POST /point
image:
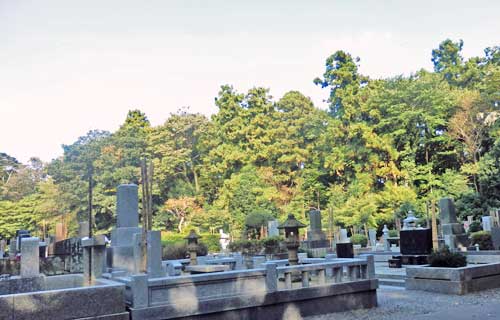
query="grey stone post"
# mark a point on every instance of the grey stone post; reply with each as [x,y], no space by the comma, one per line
[95,250]
[370,263]
[127,206]
[387,245]
[30,263]
[139,286]
[12,248]
[137,252]
[271,277]
[154,254]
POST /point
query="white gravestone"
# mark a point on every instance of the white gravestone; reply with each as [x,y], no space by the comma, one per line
[272,228]
[343,236]
[486,223]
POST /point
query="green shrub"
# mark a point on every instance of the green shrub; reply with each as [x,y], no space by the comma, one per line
[179,251]
[359,239]
[211,241]
[271,245]
[444,258]
[475,226]
[246,246]
[483,239]
[393,233]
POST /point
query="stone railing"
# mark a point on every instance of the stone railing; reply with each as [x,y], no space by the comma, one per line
[338,271]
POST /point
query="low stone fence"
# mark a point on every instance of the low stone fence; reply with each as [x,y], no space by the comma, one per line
[453,280]
[61,297]
[336,285]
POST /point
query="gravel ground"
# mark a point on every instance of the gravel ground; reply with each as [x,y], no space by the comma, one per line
[397,303]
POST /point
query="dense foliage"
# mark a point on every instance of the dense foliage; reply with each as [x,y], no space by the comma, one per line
[382,147]
[444,258]
[483,239]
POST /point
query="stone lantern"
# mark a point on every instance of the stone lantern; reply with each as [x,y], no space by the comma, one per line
[292,241]
[192,246]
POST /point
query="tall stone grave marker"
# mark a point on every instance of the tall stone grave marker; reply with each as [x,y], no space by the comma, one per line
[344,247]
[30,263]
[12,248]
[316,238]
[272,228]
[372,234]
[453,232]
[3,245]
[486,220]
[122,244]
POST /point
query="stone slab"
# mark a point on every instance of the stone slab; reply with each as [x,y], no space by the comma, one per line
[30,261]
[345,250]
[447,212]
[452,228]
[495,237]
[124,236]
[415,242]
[207,268]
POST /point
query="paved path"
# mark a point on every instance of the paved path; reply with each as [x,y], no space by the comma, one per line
[401,304]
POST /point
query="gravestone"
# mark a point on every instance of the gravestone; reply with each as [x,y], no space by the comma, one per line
[272,228]
[30,262]
[83,229]
[12,248]
[453,232]
[316,238]
[343,236]
[415,242]
[372,234]
[486,220]
[345,250]
[122,237]
[495,237]
[387,244]
[3,245]
[154,253]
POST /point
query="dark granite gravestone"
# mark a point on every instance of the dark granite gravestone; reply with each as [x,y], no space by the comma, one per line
[415,242]
[345,250]
[316,238]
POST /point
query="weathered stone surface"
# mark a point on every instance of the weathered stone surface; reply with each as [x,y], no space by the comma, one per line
[447,212]
[452,228]
[272,228]
[30,264]
[127,206]
[207,268]
[123,236]
[495,237]
[6,307]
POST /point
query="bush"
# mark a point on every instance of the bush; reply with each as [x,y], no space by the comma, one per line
[211,241]
[359,239]
[271,245]
[179,251]
[444,258]
[483,239]
[393,233]
[475,226]
[246,246]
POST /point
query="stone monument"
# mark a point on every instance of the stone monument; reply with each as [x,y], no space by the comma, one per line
[3,245]
[122,237]
[272,228]
[486,220]
[316,238]
[453,232]
[372,234]
[30,261]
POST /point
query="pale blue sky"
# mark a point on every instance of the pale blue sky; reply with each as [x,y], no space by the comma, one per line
[70,66]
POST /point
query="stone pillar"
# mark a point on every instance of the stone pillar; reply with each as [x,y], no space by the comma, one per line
[372,233]
[12,248]
[453,232]
[3,244]
[83,229]
[94,249]
[272,228]
[154,254]
[30,263]
[122,237]
[127,206]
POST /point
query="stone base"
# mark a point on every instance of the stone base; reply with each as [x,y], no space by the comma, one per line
[413,260]
[123,236]
[345,250]
[395,263]
[123,258]
[287,304]
[313,244]
[458,241]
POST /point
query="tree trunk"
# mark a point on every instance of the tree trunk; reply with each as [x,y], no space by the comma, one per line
[181,222]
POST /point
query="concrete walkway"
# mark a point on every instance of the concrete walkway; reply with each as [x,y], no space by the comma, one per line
[400,304]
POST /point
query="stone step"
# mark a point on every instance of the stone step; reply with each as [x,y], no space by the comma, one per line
[391,282]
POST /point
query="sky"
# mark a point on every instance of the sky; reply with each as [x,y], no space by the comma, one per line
[67,67]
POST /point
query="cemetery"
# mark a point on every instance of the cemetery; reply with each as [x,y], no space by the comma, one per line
[274,160]
[333,275]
